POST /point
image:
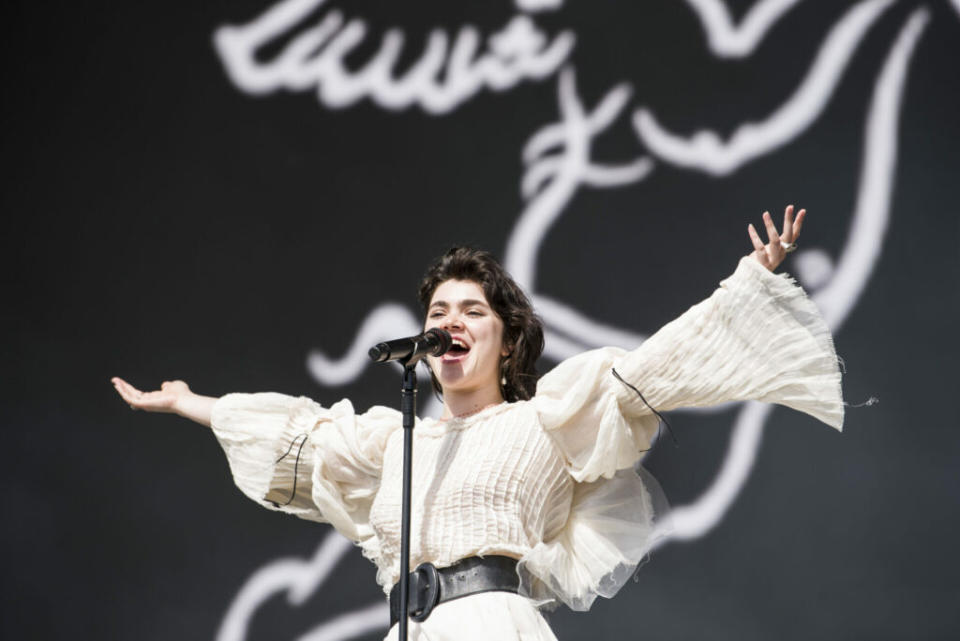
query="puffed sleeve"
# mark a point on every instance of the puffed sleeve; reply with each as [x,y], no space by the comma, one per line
[757,337]
[293,455]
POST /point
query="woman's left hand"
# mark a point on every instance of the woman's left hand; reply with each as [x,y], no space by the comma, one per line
[773,253]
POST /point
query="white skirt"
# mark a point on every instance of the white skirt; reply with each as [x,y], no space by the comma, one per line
[489,615]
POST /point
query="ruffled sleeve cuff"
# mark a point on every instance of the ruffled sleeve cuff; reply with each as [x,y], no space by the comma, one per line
[293,455]
[758,337]
[264,437]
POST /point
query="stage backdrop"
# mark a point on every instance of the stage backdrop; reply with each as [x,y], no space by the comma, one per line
[244,194]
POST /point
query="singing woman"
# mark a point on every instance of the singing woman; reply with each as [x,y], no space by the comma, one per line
[527,492]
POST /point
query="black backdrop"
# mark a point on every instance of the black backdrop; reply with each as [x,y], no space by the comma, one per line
[162,222]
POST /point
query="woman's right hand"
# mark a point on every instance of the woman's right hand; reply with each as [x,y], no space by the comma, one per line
[173,397]
[168,398]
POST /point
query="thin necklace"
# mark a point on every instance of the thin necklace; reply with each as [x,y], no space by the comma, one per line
[470,413]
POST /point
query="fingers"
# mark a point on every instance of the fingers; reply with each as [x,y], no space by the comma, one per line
[131,395]
[162,400]
[798,223]
[772,253]
[755,238]
[135,398]
[787,234]
[126,390]
[772,234]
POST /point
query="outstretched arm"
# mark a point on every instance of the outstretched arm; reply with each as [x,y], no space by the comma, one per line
[173,397]
[779,244]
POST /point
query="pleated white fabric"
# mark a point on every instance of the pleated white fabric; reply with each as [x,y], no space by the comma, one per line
[552,481]
[481,617]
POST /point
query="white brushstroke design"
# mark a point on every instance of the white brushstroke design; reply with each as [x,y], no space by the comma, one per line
[835,300]
[705,151]
[727,40]
[871,215]
[558,163]
[558,157]
[572,323]
[300,579]
[534,6]
[813,267]
[350,625]
[696,519]
[385,322]
[449,71]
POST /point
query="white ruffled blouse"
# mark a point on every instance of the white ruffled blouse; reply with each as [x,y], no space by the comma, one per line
[551,480]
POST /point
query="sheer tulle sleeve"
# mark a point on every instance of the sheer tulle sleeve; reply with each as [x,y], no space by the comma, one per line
[293,455]
[757,337]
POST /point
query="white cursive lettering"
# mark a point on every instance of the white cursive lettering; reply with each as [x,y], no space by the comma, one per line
[442,78]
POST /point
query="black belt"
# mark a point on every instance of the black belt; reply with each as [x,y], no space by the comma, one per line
[430,586]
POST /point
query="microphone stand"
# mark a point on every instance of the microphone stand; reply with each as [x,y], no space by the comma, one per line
[438,342]
[408,409]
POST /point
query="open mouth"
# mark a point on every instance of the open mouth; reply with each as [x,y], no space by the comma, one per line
[457,348]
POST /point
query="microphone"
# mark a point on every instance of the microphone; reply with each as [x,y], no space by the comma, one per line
[433,342]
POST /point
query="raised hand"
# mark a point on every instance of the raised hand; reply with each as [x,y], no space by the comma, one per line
[166,399]
[779,244]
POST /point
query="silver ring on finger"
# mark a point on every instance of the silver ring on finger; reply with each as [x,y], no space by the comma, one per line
[788,247]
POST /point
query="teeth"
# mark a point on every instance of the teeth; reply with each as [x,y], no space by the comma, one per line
[459,343]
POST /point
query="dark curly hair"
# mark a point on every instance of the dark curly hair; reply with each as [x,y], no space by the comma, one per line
[522,328]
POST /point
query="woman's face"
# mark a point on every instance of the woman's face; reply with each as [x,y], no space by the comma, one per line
[473,363]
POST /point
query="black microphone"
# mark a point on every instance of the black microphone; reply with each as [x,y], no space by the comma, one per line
[433,342]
